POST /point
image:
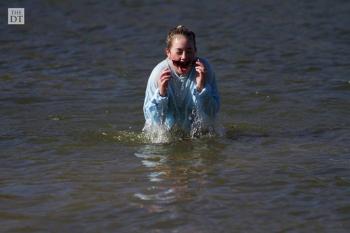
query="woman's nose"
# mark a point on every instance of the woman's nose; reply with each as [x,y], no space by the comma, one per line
[183,55]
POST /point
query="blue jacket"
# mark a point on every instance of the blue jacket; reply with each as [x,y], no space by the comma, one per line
[183,106]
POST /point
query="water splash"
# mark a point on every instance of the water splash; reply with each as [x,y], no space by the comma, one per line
[157,133]
[204,126]
[161,134]
[125,137]
[153,135]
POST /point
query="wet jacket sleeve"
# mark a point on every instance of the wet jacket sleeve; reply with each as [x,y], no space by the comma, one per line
[208,100]
[155,107]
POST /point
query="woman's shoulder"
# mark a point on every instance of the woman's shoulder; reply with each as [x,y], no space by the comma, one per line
[205,62]
[161,66]
[208,66]
[155,74]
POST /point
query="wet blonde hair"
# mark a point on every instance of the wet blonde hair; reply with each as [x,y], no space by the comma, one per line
[180,30]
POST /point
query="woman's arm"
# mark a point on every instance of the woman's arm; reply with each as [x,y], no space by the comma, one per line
[207,100]
[155,106]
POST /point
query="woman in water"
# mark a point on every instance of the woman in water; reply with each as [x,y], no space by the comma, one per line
[181,93]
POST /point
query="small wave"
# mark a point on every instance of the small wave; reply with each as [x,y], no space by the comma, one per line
[124,137]
[235,131]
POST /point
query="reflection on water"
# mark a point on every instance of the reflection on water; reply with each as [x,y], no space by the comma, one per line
[176,172]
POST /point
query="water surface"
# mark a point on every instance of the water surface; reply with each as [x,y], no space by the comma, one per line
[72,82]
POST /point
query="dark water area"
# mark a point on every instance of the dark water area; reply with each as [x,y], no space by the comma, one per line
[72,83]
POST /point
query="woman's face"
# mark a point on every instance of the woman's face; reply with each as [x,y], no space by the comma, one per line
[182,53]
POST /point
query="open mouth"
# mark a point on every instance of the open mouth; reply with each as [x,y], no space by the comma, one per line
[182,65]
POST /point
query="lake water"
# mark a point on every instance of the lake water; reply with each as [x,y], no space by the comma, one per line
[72,83]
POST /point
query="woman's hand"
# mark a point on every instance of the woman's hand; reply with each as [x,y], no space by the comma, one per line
[163,81]
[200,77]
